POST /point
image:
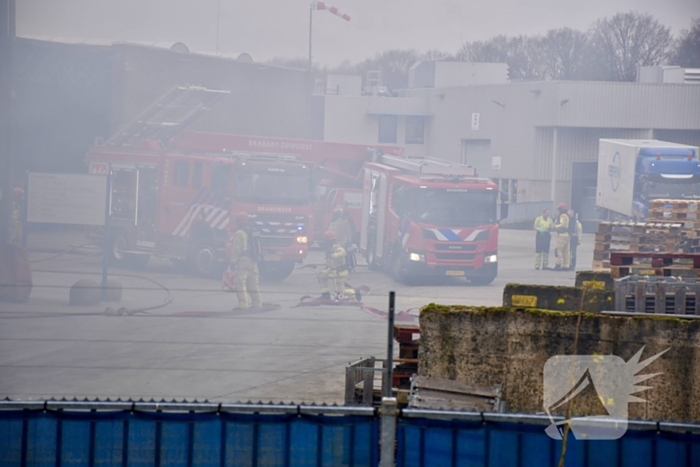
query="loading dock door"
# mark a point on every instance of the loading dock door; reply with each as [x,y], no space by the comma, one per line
[583,194]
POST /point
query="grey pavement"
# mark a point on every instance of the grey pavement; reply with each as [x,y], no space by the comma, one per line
[196,347]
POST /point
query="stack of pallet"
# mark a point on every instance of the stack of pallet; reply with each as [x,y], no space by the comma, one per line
[654,264]
[634,237]
[684,212]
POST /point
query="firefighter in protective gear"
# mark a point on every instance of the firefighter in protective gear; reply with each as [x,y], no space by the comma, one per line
[575,233]
[563,251]
[16,225]
[336,270]
[340,226]
[543,238]
[245,265]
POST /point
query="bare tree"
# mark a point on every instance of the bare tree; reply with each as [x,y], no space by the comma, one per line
[565,52]
[436,55]
[394,65]
[527,58]
[627,41]
[687,49]
[494,50]
[523,54]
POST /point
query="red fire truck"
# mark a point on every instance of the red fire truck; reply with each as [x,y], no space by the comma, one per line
[426,217]
[337,167]
[177,204]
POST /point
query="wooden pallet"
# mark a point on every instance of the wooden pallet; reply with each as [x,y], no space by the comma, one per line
[674,204]
[618,272]
[641,227]
[636,237]
[673,216]
[636,248]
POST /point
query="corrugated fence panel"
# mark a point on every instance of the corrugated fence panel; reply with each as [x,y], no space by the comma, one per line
[168,439]
[427,443]
[156,439]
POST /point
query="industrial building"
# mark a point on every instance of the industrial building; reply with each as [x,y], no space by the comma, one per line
[517,133]
[70,93]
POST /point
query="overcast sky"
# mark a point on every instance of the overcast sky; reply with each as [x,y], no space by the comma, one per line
[279,28]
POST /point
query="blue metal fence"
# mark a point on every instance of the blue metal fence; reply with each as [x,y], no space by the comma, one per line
[429,442]
[61,438]
[171,434]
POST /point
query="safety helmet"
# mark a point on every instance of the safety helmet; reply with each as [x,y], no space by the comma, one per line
[329,236]
[243,218]
[18,193]
[561,207]
[338,210]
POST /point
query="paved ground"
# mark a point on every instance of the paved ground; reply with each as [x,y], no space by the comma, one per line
[195,347]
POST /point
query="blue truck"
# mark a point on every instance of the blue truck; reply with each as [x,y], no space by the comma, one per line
[632,172]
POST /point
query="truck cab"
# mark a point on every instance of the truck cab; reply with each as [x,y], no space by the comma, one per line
[424,217]
[665,173]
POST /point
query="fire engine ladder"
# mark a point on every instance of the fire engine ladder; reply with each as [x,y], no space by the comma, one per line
[172,112]
[429,166]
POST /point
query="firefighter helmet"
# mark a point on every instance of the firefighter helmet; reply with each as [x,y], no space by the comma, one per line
[243,218]
[329,236]
[561,207]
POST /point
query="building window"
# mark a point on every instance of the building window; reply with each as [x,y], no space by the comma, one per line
[414,130]
[387,128]
[197,175]
[181,174]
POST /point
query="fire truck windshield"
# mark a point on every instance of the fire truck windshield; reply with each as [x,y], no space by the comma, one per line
[448,208]
[270,187]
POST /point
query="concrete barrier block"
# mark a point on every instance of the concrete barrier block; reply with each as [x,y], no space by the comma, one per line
[595,280]
[506,346]
[559,298]
[85,292]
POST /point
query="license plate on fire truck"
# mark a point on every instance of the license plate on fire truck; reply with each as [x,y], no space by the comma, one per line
[455,273]
[272,257]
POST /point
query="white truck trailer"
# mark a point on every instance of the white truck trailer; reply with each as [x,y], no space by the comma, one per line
[631,172]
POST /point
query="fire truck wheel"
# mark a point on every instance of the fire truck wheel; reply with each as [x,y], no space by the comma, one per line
[118,244]
[482,280]
[398,269]
[118,257]
[277,271]
[203,258]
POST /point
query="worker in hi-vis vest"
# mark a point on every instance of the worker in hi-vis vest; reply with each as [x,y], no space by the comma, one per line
[543,239]
[563,250]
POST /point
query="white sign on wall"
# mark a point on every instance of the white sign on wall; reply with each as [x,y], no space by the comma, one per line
[66,199]
[496,162]
[475,121]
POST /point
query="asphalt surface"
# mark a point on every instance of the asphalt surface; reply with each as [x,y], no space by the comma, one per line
[194,346]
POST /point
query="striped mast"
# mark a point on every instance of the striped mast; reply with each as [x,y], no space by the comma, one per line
[322,6]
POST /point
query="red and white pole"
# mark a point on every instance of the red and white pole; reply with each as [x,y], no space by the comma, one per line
[329,8]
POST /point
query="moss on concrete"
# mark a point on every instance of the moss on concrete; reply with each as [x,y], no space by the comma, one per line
[509,346]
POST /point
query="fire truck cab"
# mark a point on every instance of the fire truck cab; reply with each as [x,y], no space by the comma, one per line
[181,206]
[425,217]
